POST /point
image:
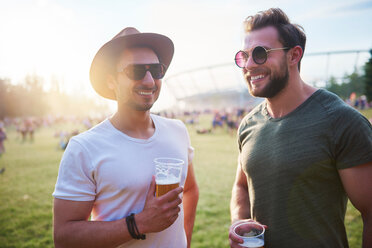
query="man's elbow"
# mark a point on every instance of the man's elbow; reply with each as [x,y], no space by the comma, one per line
[193,192]
[59,238]
[196,192]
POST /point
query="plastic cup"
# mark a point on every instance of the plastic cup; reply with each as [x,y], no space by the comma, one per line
[168,174]
[251,233]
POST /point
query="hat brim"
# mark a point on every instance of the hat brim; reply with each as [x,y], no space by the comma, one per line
[109,52]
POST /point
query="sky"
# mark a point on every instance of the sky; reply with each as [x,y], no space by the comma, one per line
[57,39]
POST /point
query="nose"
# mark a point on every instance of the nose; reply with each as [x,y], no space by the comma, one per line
[249,63]
[148,79]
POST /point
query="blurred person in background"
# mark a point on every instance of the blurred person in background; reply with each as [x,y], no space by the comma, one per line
[303,152]
[104,195]
[2,139]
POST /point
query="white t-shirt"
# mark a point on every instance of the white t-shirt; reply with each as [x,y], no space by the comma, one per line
[114,170]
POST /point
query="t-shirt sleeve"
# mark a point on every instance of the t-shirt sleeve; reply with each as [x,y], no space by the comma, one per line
[190,154]
[353,140]
[75,180]
[190,149]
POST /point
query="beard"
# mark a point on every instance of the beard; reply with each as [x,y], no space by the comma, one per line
[129,99]
[144,106]
[278,81]
[140,107]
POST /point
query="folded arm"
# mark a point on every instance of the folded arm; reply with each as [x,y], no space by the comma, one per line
[73,229]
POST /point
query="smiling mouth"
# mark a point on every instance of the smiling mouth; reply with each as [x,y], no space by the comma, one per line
[257,77]
[253,79]
[145,93]
[142,91]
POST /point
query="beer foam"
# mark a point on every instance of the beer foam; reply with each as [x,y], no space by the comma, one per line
[167,181]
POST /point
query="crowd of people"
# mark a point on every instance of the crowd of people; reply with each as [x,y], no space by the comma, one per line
[216,119]
[65,126]
[219,119]
[358,102]
[228,119]
[69,126]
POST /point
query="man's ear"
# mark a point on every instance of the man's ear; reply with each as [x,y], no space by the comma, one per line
[111,82]
[295,55]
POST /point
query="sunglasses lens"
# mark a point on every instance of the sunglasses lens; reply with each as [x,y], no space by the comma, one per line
[138,72]
[259,55]
[135,72]
[157,71]
[240,59]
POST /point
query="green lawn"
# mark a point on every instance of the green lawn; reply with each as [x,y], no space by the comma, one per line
[367,113]
[31,170]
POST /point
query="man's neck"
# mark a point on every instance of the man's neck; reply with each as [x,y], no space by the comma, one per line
[293,95]
[136,124]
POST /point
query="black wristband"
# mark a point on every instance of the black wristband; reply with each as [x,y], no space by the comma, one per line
[132,228]
[139,235]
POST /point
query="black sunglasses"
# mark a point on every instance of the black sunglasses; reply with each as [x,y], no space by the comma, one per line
[138,71]
[259,55]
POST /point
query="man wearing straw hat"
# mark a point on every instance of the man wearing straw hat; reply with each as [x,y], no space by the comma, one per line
[104,195]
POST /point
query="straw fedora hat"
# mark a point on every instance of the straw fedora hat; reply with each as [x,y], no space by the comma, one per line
[107,55]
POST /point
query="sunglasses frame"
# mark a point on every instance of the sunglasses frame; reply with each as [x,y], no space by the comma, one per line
[254,58]
[146,67]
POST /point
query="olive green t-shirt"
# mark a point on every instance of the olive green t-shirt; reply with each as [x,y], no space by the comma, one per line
[292,164]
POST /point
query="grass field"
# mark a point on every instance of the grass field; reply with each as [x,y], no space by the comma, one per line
[31,170]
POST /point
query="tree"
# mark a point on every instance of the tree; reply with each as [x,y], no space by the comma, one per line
[35,96]
[333,86]
[368,78]
[350,83]
[354,83]
[3,90]
[30,99]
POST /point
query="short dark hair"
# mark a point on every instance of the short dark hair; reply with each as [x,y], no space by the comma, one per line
[290,35]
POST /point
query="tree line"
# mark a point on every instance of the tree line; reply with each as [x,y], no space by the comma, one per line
[358,82]
[29,98]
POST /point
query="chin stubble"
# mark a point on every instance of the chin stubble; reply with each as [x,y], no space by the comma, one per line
[274,86]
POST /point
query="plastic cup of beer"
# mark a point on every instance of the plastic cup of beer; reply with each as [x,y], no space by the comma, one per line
[168,174]
[251,233]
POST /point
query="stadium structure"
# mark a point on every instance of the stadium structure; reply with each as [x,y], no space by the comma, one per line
[222,86]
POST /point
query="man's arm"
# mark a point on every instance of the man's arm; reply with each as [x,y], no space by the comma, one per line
[190,200]
[239,205]
[358,186]
[72,228]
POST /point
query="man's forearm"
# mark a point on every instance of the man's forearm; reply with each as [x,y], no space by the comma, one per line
[190,201]
[91,234]
[239,205]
